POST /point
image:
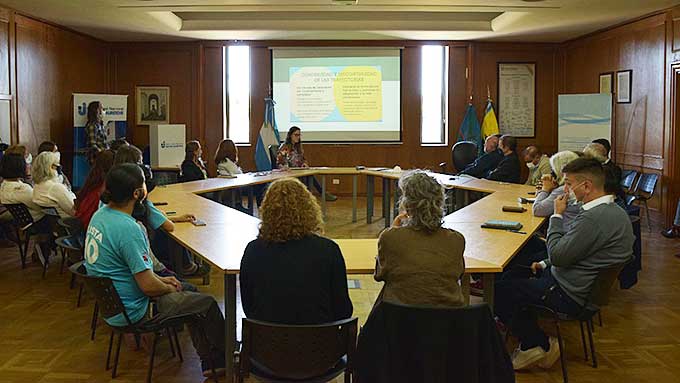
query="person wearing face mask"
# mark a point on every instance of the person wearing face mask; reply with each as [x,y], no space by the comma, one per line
[117,248]
[49,191]
[538,164]
[488,161]
[94,129]
[552,186]
[28,158]
[193,168]
[508,169]
[601,236]
[49,146]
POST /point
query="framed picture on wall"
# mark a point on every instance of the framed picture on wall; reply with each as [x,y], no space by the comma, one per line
[152,105]
[606,81]
[624,86]
[517,98]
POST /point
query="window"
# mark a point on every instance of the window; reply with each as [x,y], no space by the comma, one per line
[237,98]
[434,94]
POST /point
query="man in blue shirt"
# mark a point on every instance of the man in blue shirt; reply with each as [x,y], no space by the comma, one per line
[116,248]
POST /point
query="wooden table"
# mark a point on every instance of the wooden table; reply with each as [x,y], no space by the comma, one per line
[223,240]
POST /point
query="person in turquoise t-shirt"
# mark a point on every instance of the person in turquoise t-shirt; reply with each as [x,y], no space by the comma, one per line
[117,248]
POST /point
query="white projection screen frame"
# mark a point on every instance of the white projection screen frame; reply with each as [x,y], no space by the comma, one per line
[338,94]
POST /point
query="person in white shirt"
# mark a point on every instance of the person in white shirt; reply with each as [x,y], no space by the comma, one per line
[49,146]
[226,159]
[13,190]
[48,191]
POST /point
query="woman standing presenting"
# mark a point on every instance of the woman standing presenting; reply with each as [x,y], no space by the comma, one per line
[94,129]
[291,155]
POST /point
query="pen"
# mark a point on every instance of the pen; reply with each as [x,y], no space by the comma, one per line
[517,231]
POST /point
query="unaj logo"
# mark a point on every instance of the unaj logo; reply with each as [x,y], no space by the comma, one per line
[82,109]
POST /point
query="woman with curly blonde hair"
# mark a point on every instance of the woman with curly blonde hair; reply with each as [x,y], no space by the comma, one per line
[420,261]
[291,274]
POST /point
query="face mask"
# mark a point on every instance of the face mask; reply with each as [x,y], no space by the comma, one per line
[29,159]
[572,197]
[58,156]
[60,170]
[531,165]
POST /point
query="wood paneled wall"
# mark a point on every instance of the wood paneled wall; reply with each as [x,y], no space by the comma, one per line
[640,132]
[177,65]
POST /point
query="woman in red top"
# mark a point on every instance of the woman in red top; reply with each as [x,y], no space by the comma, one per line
[87,200]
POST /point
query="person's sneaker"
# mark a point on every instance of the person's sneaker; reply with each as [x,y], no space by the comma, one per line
[670,233]
[331,197]
[552,355]
[219,368]
[523,359]
[477,288]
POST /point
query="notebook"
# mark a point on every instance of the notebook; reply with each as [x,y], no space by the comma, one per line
[500,224]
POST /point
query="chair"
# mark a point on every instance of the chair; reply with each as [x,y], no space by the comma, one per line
[644,191]
[71,248]
[297,353]
[78,271]
[273,151]
[23,223]
[628,180]
[598,297]
[404,343]
[110,305]
[463,154]
[166,177]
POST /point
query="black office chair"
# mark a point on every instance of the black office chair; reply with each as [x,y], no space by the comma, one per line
[463,154]
[628,180]
[644,191]
[273,151]
[405,344]
[25,229]
[598,298]
[304,353]
[110,305]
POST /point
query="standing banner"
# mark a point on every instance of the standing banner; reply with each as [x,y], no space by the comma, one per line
[115,122]
[167,143]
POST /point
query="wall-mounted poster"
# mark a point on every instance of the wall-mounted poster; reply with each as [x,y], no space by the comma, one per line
[606,82]
[624,86]
[152,105]
[517,99]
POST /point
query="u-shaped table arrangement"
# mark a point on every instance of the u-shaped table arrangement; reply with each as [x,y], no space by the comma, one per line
[228,231]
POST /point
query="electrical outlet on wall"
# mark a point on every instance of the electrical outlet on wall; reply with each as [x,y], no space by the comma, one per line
[336,181]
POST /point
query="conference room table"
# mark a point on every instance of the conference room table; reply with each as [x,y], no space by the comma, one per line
[222,241]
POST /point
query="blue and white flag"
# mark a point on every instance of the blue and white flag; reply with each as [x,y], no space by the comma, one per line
[269,135]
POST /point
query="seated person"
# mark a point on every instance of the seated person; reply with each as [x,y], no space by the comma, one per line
[48,190]
[508,169]
[290,274]
[613,172]
[538,164]
[87,199]
[553,187]
[193,168]
[226,159]
[116,248]
[291,155]
[14,191]
[420,262]
[487,161]
[601,236]
[49,146]
[155,220]
[22,150]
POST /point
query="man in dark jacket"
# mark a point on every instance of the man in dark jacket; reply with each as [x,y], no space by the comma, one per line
[487,161]
[508,169]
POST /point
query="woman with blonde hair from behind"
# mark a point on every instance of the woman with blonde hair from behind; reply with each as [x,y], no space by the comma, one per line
[291,274]
[552,186]
[420,261]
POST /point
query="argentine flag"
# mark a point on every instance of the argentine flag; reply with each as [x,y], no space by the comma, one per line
[269,135]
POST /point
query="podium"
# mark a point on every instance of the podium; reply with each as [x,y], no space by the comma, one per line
[167,143]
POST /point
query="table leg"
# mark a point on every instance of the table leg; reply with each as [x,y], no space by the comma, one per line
[354,198]
[384,190]
[251,208]
[387,204]
[465,287]
[397,195]
[370,190]
[229,324]
[323,195]
[489,279]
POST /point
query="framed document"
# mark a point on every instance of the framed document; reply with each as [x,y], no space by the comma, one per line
[624,86]
[606,82]
[517,99]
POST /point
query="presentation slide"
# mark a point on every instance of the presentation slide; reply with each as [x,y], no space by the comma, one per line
[338,95]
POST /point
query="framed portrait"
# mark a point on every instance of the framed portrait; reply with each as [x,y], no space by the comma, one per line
[606,82]
[152,105]
[624,86]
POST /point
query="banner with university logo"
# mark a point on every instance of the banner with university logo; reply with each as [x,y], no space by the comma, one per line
[115,123]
